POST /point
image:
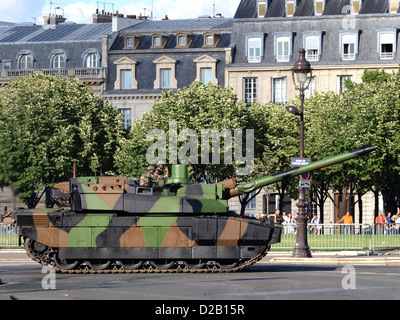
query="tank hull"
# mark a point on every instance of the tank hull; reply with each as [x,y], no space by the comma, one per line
[76,242]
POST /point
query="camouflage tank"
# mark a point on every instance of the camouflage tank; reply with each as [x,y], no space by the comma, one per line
[112,224]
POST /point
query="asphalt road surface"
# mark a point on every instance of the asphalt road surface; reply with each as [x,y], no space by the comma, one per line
[27,280]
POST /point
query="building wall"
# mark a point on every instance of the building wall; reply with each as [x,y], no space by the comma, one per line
[330,64]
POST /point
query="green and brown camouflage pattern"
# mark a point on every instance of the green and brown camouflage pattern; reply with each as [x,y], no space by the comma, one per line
[113,222]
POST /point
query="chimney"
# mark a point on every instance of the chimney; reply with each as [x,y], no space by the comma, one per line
[103,17]
[53,19]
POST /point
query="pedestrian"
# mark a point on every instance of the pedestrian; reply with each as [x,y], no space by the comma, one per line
[397,223]
[278,218]
[348,221]
[388,225]
[315,225]
[380,221]
[290,223]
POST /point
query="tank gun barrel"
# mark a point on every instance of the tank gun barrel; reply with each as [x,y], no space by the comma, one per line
[277,177]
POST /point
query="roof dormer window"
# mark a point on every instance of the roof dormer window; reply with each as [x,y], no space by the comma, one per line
[290,7]
[262,8]
[319,6]
[211,39]
[156,42]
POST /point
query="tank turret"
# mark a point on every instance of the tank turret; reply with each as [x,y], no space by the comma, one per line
[113,224]
[178,196]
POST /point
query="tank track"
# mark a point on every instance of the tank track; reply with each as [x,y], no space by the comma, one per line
[45,259]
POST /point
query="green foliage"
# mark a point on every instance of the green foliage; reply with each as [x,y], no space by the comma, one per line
[198,107]
[368,112]
[47,123]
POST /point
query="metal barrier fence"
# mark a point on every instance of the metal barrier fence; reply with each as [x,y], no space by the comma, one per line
[343,237]
[320,237]
[8,235]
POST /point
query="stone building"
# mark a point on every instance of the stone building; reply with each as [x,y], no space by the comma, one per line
[153,56]
[342,38]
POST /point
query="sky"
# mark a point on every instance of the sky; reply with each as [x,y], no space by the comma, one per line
[81,11]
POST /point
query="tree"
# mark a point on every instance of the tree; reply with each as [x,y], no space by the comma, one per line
[277,140]
[46,124]
[368,112]
[378,117]
[183,116]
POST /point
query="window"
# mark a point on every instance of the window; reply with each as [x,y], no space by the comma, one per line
[166,78]
[126,118]
[356,4]
[341,81]
[250,86]
[262,8]
[205,75]
[181,41]
[394,6]
[311,88]
[58,61]
[126,79]
[129,42]
[312,48]
[348,45]
[282,44]
[25,59]
[254,46]
[387,43]
[91,58]
[209,40]
[251,205]
[156,41]
[6,65]
[165,73]
[279,90]
[91,61]
[290,7]
[319,7]
[254,49]
[348,51]
[206,69]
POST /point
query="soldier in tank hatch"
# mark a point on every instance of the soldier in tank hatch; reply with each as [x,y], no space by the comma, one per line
[147,178]
[162,172]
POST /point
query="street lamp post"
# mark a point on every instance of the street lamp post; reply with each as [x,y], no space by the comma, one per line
[302,72]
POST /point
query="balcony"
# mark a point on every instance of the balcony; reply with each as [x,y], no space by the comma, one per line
[90,76]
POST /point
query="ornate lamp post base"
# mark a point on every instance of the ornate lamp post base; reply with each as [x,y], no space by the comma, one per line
[301,249]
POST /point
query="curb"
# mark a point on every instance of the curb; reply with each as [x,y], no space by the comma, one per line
[339,260]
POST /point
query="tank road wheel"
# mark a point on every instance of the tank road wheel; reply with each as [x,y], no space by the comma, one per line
[66,264]
[195,264]
[130,264]
[37,250]
[163,264]
[227,264]
[98,264]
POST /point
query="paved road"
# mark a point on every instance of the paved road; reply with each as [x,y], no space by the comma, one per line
[263,281]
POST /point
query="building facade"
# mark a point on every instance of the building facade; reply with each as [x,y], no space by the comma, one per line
[342,38]
[153,56]
[66,49]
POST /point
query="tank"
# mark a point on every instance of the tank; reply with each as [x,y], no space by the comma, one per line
[112,224]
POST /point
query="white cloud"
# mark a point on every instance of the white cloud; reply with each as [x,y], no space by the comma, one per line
[17,10]
[81,11]
[182,9]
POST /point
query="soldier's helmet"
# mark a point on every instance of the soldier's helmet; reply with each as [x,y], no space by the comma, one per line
[160,164]
[151,169]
